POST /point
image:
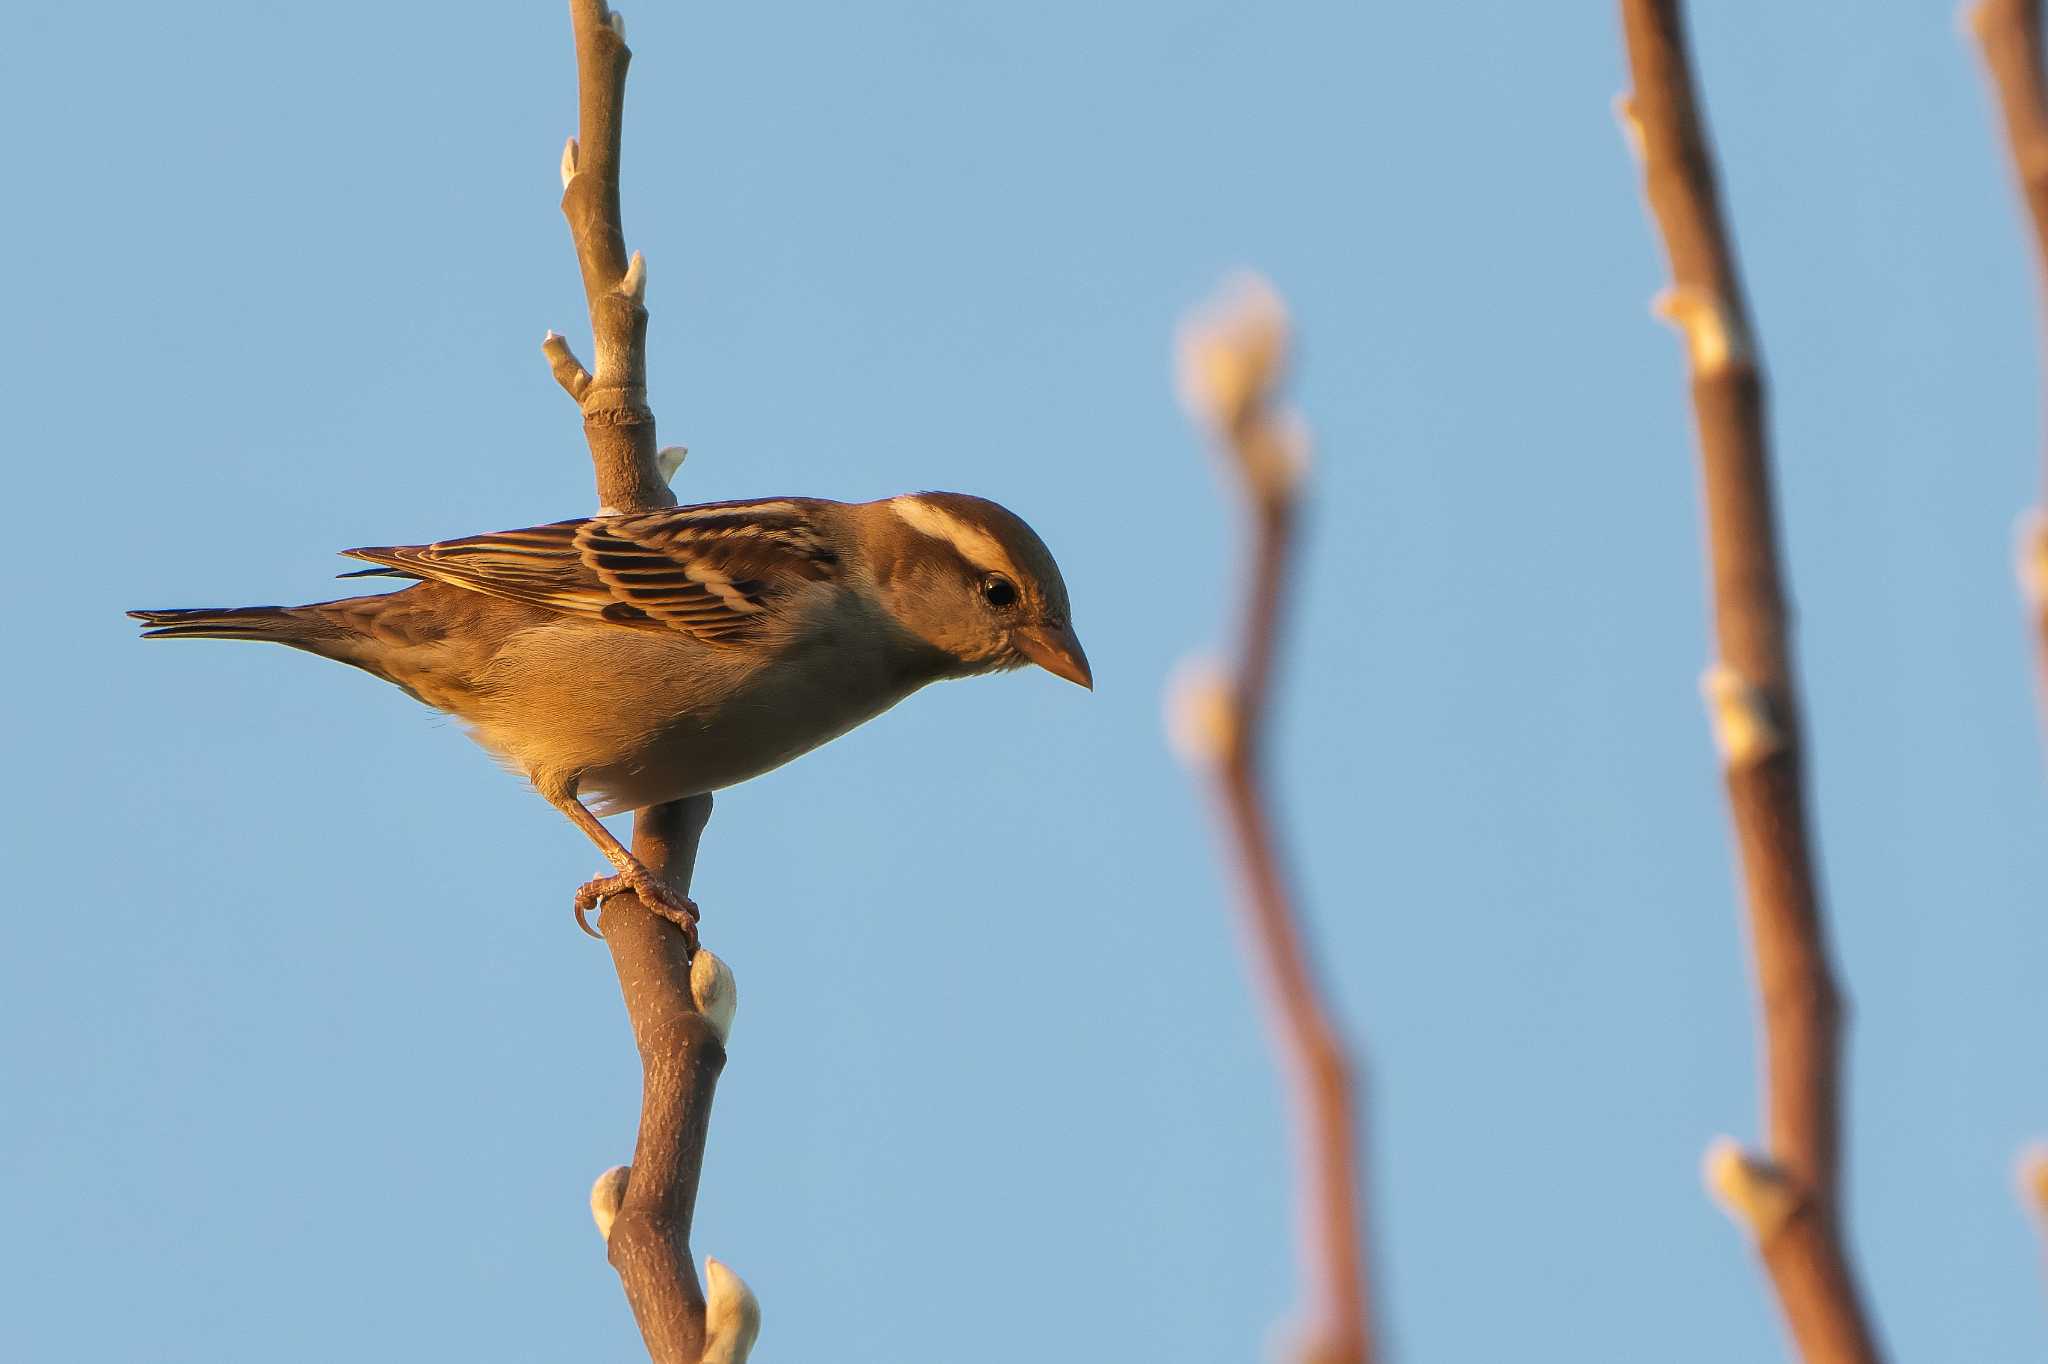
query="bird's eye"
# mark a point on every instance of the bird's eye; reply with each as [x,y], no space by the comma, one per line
[999,591]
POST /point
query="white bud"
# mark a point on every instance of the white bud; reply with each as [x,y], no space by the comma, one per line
[716,992]
[607,1195]
[2033,558]
[1714,336]
[1201,722]
[732,1315]
[1231,351]
[1749,1188]
[2032,1172]
[1740,714]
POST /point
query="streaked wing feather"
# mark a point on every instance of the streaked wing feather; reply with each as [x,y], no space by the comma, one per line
[716,571]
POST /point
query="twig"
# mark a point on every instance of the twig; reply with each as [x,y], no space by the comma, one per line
[1790,1197]
[616,420]
[2033,1189]
[2008,35]
[1231,364]
[681,1009]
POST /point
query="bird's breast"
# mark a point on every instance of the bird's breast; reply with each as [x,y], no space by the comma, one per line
[820,683]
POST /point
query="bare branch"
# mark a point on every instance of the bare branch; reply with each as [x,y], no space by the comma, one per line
[1231,363]
[681,1010]
[681,1007]
[2008,34]
[1788,1198]
[617,422]
[568,370]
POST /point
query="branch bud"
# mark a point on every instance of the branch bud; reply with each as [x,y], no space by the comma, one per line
[1231,352]
[2033,558]
[1749,1188]
[1631,124]
[607,1195]
[716,992]
[2033,1181]
[732,1315]
[1740,714]
[568,162]
[1201,719]
[668,459]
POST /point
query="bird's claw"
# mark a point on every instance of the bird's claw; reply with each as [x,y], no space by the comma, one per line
[659,899]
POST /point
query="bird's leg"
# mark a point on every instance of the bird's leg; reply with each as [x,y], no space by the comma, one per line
[632,874]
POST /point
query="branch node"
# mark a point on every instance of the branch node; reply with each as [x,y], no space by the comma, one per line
[607,1196]
[2032,1177]
[563,364]
[1744,728]
[716,993]
[1231,352]
[1750,1188]
[2033,557]
[1714,335]
[1283,455]
[634,285]
[732,1315]
[1201,716]
[1230,356]
[1631,125]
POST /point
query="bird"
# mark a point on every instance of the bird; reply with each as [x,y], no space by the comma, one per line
[621,661]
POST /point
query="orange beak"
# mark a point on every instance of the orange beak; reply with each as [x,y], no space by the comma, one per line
[1053,647]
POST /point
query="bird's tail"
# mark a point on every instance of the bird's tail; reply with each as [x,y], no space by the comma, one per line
[280,624]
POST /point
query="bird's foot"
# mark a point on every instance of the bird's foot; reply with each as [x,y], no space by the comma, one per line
[659,899]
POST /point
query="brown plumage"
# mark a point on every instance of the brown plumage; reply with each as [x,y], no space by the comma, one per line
[643,658]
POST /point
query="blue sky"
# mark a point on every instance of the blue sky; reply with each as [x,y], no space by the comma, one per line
[303,1055]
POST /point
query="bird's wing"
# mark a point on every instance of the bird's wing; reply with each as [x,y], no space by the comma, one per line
[716,571]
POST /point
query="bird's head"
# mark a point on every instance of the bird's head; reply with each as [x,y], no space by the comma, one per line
[972,580]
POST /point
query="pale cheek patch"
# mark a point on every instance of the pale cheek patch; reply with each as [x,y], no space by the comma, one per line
[974,544]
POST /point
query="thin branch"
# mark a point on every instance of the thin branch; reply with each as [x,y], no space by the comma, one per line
[1790,1197]
[681,1009]
[616,420]
[1231,367]
[2008,35]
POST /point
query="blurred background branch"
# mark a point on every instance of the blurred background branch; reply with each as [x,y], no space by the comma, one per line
[2008,34]
[1232,358]
[1788,1196]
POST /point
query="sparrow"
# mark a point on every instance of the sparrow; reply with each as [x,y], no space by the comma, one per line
[623,661]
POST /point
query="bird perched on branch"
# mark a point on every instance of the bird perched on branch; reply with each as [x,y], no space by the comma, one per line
[642,658]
